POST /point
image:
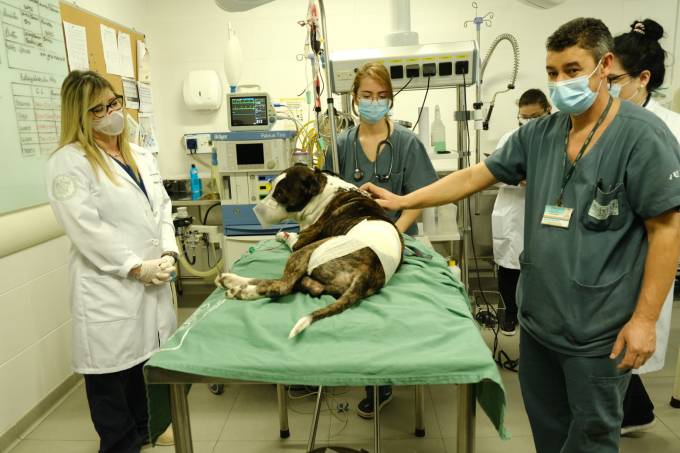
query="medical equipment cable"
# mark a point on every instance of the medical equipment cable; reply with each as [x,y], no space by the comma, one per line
[489,317]
[329,397]
[207,211]
[405,85]
[427,90]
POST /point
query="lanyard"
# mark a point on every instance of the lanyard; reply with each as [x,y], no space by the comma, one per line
[570,172]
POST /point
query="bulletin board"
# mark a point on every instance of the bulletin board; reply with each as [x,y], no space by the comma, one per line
[92,23]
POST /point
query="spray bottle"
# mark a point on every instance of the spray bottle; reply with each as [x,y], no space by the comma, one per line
[438,132]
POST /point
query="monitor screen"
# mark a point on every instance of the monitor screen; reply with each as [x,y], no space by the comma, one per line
[249,153]
[248,111]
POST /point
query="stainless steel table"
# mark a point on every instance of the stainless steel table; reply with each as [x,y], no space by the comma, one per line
[181,424]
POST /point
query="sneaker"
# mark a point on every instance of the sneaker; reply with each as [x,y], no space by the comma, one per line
[628,427]
[507,324]
[365,406]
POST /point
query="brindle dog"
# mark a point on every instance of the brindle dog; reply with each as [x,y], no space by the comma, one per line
[351,277]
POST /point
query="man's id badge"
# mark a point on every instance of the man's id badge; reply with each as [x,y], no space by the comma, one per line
[557,216]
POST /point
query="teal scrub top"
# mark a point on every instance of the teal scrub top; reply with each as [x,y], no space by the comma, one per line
[580,285]
[411,168]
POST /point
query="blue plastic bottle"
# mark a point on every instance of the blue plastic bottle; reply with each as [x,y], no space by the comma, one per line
[195,183]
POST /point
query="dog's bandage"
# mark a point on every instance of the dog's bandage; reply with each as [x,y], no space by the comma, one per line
[380,236]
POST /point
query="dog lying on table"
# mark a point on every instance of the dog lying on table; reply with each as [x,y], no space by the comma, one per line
[347,247]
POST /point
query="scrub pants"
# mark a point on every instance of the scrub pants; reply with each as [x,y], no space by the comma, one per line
[118,409]
[575,404]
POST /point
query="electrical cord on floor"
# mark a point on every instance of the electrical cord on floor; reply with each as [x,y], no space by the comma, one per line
[340,410]
[489,316]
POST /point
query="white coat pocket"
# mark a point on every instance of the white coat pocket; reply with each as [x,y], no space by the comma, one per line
[110,298]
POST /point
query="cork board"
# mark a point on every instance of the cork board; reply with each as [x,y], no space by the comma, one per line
[92,22]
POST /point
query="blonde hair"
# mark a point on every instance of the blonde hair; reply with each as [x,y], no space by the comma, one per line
[79,90]
[376,71]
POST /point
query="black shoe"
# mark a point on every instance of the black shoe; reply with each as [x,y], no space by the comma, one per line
[365,406]
[507,324]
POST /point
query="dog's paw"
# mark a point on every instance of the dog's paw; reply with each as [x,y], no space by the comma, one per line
[301,325]
[237,287]
[288,238]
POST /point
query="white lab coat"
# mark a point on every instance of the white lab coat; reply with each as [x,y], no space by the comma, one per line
[507,221]
[663,325]
[117,321]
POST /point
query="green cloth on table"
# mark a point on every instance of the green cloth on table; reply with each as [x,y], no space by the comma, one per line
[416,330]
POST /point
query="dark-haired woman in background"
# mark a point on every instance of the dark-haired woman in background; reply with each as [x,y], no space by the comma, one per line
[637,72]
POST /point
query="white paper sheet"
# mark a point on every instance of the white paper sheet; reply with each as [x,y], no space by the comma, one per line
[143,63]
[145,97]
[147,132]
[130,92]
[76,47]
[133,129]
[110,48]
[127,68]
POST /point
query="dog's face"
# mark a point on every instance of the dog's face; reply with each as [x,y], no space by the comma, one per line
[299,185]
[291,191]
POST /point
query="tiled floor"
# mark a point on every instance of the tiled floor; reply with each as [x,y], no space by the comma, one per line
[244,419]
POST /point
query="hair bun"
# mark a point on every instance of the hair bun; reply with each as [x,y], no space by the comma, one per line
[648,28]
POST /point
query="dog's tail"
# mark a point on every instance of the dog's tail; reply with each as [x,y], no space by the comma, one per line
[354,293]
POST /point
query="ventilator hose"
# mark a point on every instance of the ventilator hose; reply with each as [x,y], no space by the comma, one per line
[515,50]
[209,274]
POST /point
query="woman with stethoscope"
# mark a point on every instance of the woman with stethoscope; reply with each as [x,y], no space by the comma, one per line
[638,70]
[379,151]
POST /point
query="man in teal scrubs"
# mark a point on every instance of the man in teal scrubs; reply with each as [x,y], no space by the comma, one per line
[602,236]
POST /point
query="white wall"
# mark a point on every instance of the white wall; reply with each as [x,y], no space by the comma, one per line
[35,326]
[35,350]
[191,35]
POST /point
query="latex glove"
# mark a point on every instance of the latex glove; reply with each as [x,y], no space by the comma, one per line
[168,261]
[147,271]
[163,276]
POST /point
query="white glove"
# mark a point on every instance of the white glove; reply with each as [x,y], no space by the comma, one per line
[167,261]
[152,272]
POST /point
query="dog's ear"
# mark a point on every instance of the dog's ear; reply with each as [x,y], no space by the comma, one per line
[310,184]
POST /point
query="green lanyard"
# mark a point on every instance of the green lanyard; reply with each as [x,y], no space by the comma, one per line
[570,172]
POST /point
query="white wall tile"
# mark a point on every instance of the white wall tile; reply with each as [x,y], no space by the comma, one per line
[21,387]
[50,302]
[16,323]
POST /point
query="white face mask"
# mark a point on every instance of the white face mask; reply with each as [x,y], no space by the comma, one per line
[111,124]
[268,211]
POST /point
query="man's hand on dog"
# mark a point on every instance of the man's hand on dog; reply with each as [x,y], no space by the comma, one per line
[386,199]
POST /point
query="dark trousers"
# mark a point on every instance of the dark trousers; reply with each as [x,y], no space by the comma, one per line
[118,409]
[507,286]
[574,404]
[637,406]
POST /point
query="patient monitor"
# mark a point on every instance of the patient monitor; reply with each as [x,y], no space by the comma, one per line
[250,112]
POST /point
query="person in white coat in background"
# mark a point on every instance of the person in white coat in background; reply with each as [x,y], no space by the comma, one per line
[109,197]
[507,218]
[638,70]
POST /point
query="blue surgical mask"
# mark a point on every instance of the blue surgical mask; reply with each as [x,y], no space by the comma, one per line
[573,96]
[373,111]
[615,90]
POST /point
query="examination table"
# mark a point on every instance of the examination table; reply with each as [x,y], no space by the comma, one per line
[417,330]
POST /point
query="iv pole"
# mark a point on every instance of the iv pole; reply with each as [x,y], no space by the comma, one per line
[329,88]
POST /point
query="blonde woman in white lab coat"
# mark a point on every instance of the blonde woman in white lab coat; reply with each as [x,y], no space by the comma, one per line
[507,218]
[638,70]
[109,197]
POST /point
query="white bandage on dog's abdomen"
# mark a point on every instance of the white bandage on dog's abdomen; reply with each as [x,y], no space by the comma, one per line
[380,236]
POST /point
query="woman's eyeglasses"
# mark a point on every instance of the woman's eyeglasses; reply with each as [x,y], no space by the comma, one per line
[101,110]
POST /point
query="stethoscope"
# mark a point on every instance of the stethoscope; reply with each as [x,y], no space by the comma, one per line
[359,173]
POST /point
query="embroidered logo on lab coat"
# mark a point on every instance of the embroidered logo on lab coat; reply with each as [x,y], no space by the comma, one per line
[64,187]
[674,175]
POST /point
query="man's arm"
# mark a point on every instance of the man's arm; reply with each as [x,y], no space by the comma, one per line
[455,186]
[639,334]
